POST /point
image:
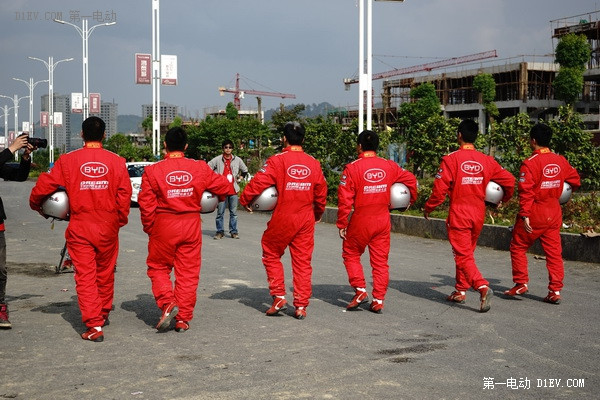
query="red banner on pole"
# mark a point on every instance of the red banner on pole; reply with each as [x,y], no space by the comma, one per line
[44,118]
[94,103]
[143,69]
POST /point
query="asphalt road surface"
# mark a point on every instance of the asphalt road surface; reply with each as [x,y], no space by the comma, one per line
[420,347]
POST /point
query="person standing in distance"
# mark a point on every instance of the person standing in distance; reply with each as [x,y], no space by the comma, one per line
[463,176]
[365,185]
[301,203]
[10,174]
[540,216]
[232,167]
[170,210]
[99,190]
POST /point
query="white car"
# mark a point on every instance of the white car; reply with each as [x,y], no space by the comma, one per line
[136,169]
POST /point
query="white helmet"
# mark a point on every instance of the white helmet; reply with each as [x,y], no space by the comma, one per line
[493,194]
[266,201]
[57,205]
[399,197]
[566,193]
[208,203]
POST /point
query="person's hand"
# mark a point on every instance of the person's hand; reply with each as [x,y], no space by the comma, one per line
[19,142]
[249,209]
[343,233]
[527,226]
[426,215]
[28,150]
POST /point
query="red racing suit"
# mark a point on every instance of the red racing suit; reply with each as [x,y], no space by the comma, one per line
[365,184]
[170,210]
[540,186]
[99,190]
[301,202]
[463,176]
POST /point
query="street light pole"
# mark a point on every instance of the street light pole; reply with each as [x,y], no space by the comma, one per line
[6,109]
[50,65]
[365,62]
[15,100]
[31,85]
[85,33]
[156,78]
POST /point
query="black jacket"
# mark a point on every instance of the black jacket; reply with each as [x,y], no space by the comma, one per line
[10,173]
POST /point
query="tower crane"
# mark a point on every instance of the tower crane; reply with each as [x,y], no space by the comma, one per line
[428,67]
[239,93]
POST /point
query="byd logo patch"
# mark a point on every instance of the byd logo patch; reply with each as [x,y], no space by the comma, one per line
[298,171]
[374,175]
[471,167]
[551,170]
[178,178]
[94,169]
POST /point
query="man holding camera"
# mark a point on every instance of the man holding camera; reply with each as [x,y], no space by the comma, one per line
[99,190]
[10,174]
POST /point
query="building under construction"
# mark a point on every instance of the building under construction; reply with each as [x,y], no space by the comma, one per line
[523,84]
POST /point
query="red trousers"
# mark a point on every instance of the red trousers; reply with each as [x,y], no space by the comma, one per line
[94,248]
[463,240]
[549,236]
[175,244]
[373,231]
[298,232]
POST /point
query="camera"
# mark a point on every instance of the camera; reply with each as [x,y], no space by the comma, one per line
[36,142]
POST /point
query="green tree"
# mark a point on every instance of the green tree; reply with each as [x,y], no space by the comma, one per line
[486,85]
[177,121]
[427,134]
[231,112]
[512,141]
[121,145]
[572,53]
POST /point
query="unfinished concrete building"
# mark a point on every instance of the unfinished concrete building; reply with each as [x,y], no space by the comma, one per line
[523,83]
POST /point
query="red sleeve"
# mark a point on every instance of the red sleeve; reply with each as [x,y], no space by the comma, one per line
[572,176]
[123,194]
[263,179]
[526,190]
[148,201]
[346,195]
[408,179]
[441,186]
[505,179]
[320,195]
[47,183]
[216,183]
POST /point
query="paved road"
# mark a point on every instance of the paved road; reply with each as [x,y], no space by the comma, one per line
[421,347]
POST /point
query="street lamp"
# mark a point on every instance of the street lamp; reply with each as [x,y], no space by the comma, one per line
[50,65]
[31,85]
[85,33]
[15,100]
[6,109]
[365,74]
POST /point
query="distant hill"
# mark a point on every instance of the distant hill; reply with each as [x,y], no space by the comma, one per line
[311,111]
[129,123]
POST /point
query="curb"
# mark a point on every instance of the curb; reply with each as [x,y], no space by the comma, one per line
[575,247]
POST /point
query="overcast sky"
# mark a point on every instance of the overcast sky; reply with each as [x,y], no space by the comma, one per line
[303,47]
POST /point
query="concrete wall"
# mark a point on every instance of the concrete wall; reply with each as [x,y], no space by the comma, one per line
[575,247]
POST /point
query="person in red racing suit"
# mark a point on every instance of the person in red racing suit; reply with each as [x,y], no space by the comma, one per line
[365,184]
[540,215]
[463,176]
[302,197]
[99,190]
[170,211]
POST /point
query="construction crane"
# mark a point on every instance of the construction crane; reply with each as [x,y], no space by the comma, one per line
[427,67]
[239,93]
